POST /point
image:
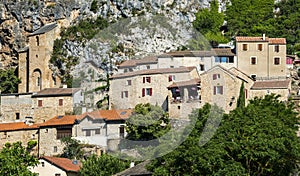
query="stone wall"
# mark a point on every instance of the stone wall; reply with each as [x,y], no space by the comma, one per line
[49,145]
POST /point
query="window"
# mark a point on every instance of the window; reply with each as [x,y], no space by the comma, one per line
[122,131]
[38,81]
[147,79]
[171,66]
[124,94]
[253,60]
[276,48]
[231,59]
[36,56]
[259,47]
[276,61]
[97,131]
[125,70]
[147,91]
[63,132]
[216,76]
[202,68]
[43,164]
[40,103]
[17,116]
[37,40]
[128,83]
[218,90]
[245,47]
[55,149]
[171,78]
[88,133]
[253,77]
[130,69]
[57,175]
[60,102]
[148,67]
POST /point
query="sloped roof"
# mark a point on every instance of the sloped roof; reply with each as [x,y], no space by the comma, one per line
[63,163]
[191,82]
[48,92]
[139,169]
[110,115]
[134,62]
[14,126]
[154,71]
[213,52]
[44,29]
[278,84]
[260,39]
[62,120]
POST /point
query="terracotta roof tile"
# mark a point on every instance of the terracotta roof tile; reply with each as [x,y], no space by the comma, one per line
[260,39]
[63,163]
[110,115]
[271,84]
[154,71]
[62,120]
[14,126]
[56,92]
[185,83]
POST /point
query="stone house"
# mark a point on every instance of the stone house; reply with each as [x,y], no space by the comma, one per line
[262,57]
[279,87]
[34,70]
[103,128]
[203,60]
[54,166]
[56,101]
[19,131]
[15,107]
[185,96]
[221,86]
[148,62]
[146,86]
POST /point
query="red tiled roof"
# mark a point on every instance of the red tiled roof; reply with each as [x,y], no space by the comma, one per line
[191,82]
[271,84]
[14,126]
[260,39]
[63,163]
[110,115]
[56,92]
[154,71]
[61,120]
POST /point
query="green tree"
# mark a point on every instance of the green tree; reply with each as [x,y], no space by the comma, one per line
[15,160]
[9,81]
[209,22]
[105,165]
[250,18]
[72,149]
[241,99]
[94,6]
[260,140]
[147,122]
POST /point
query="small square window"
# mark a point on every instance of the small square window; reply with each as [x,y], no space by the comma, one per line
[97,131]
[147,79]
[124,94]
[128,82]
[276,48]
[17,116]
[253,60]
[43,164]
[276,61]
[218,90]
[259,47]
[202,68]
[171,78]
[216,76]
[40,103]
[148,67]
[245,47]
[60,102]
[88,133]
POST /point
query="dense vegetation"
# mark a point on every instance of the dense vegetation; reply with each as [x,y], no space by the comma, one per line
[259,139]
[9,81]
[15,160]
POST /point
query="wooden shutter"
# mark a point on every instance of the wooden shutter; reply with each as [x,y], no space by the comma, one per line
[170,78]
[214,76]
[246,93]
[215,90]
[40,103]
[144,79]
[150,91]
[121,94]
[143,92]
[221,90]
[149,79]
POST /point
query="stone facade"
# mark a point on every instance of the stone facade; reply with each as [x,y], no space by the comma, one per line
[262,57]
[221,86]
[146,86]
[34,70]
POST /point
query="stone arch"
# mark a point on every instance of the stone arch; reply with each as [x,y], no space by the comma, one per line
[37,79]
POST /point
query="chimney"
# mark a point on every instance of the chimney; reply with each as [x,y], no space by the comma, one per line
[264,36]
[131,164]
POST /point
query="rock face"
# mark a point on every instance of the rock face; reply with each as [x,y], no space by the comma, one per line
[142,26]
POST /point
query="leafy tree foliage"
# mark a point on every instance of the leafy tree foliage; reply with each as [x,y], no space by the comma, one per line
[9,81]
[209,22]
[72,148]
[250,18]
[103,165]
[94,6]
[15,160]
[147,122]
[258,140]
